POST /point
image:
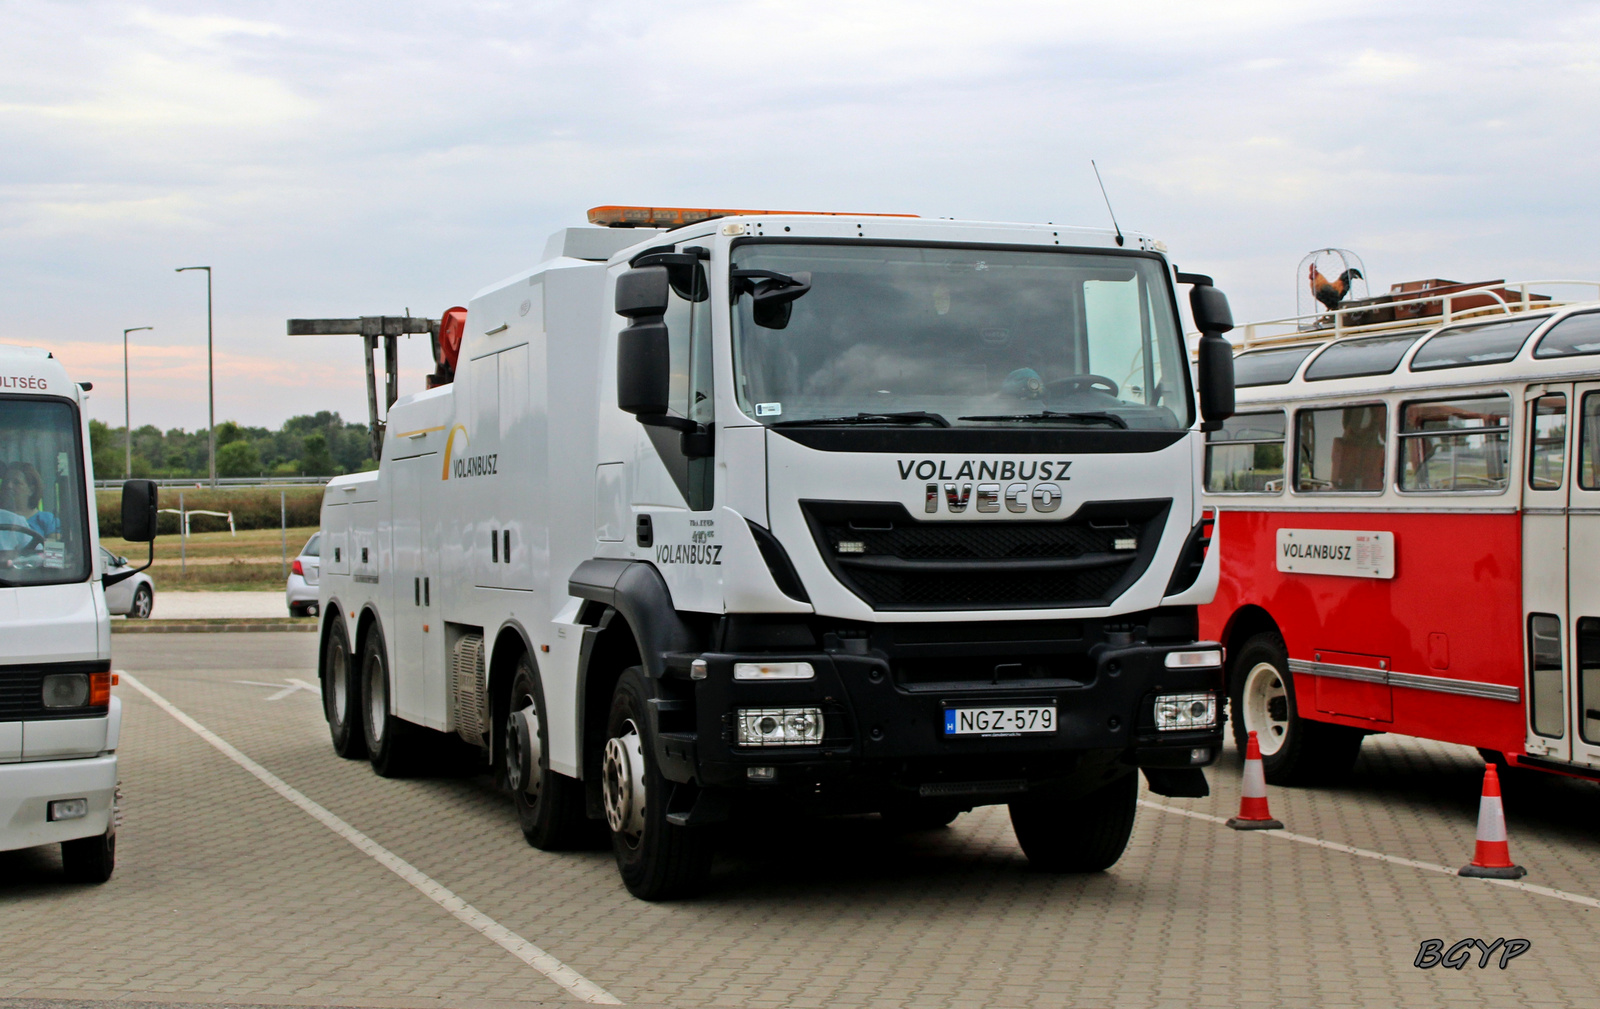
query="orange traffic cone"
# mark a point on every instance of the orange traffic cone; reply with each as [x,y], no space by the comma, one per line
[1253,813]
[1491,859]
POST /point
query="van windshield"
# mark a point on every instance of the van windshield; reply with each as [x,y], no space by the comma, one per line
[959,336]
[44,528]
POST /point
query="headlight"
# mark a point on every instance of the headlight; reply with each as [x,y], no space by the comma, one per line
[1176,712]
[1194,660]
[66,690]
[773,671]
[780,726]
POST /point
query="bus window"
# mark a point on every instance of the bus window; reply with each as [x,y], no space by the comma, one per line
[1589,679]
[1246,455]
[1377,355]
[1481,343]
[1455,444]
[1340,449]
[1546,705]
[1576,334]
[1268,367]
[1588,434]
[1547,460]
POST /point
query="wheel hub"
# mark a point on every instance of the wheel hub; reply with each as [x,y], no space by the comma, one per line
[377,699]
[623,784]
[524,755]
[1266,707]
[339,687]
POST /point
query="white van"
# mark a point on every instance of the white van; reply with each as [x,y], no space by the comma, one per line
[59,722]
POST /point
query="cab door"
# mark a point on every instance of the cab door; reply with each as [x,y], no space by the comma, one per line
[1545,622]
[1583,576]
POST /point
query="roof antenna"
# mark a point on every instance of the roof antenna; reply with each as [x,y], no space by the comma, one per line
[1113,213]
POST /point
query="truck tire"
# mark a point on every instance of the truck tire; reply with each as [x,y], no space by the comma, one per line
[549,805]
[658,860]
[341,695]
[391,743]
[1086,834]
[1294,750]
[90,859]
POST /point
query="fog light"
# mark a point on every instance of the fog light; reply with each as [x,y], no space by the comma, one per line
[773,671]
[1186,711]
[1194,660]
[66,690]
[1200,755]
[780,726]
[68,809]
[761,773]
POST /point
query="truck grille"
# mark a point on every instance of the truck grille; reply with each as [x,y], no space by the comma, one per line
[894,562]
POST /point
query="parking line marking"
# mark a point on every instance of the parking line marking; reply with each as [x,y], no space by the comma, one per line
[1543,891]
[575,984]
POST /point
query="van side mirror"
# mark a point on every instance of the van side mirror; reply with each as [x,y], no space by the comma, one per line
[1212,317]
[139,511]
[644,359]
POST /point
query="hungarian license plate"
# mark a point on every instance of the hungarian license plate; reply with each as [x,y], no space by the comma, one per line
[1000,720]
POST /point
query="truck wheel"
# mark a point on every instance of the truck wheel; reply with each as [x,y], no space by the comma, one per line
[549,805]
[341,696]
[658,860]
[1294,750]
[1086,834]
[90,859]
[390,743]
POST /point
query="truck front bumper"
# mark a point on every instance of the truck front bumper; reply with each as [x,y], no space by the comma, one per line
[28,788]
[884,723]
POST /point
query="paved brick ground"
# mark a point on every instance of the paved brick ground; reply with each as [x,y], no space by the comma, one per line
[225,893]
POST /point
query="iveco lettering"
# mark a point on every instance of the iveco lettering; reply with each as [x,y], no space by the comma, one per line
[767,513]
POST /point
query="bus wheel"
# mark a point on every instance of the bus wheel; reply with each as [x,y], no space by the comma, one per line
[1294,750]
[341,696]
[390,743]
[1086,834]
[549,805]
[658,859]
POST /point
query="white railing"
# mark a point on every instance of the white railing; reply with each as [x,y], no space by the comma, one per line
[1301,328]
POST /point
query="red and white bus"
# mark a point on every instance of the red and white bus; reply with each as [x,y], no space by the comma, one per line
[1410,519]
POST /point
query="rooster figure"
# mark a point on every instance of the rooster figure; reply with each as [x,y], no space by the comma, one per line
[1331,292]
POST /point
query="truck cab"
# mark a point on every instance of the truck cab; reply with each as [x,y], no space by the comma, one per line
[59,722]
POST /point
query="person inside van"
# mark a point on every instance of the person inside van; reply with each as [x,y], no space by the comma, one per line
[21,492]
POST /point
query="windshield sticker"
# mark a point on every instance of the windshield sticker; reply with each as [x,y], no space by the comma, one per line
[768,409]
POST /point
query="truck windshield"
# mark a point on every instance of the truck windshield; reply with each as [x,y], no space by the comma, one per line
[44,529]
[978,338]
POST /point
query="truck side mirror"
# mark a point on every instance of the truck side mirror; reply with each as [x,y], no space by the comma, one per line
[1212,317]
[139,511]
[644,360]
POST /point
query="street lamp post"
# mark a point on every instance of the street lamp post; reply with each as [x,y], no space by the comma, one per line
[127,413]
[211,386]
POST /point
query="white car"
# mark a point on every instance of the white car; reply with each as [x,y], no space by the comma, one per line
[301,592]
[134,597]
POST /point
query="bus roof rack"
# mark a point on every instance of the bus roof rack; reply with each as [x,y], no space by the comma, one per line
[677,217]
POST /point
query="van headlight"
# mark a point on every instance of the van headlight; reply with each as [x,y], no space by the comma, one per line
[1179,712]
[66,690]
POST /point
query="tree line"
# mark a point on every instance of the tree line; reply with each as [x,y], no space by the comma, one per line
[320,444]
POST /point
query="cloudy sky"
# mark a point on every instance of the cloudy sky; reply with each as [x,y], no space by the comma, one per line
[347,159]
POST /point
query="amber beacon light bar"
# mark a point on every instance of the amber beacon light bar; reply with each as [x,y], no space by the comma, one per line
[675,217]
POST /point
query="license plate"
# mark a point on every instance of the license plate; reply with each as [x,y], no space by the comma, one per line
[1000,721]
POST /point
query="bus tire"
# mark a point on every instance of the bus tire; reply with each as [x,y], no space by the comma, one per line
[549,804]
[90,859]
[1294,750]
[658,860]
[391,742]
[1086,834]
[341,695]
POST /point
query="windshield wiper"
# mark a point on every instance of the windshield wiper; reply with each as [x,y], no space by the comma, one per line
[904,417]
[1093,417]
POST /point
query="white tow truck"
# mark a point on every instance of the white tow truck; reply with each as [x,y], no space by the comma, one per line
[59,721]
[733,513]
